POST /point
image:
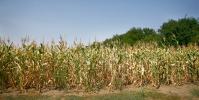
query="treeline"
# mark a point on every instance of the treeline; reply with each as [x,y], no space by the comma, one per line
[172,33]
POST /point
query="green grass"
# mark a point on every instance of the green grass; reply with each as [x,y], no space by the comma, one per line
[195,92]
[23,97]
[127,95]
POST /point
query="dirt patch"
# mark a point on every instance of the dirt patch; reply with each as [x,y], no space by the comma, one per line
[183,90]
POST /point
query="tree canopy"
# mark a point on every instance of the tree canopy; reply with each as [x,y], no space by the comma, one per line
[174,32]
[182,31]
[134,35]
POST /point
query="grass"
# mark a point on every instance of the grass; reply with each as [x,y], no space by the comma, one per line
[26,98]
[130,95]
[195,92]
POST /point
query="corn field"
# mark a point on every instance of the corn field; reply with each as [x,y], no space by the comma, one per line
[90,68]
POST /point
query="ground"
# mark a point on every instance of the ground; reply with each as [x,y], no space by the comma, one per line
[184,92]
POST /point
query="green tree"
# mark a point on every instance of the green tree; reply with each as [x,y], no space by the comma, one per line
[150,35]
[134,35]
[182,31]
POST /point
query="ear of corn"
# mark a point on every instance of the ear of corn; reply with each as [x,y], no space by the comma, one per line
[95,67]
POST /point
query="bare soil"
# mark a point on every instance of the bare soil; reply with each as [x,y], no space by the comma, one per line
[182,91]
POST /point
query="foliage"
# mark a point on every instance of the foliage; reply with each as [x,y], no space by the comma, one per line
[91,68]
[182,31]
[135,35]
[172,33]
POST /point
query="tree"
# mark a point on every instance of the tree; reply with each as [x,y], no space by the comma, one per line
[182,31]
[134,35]
[150,35]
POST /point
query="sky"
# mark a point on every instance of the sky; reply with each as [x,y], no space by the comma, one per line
[86,20]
